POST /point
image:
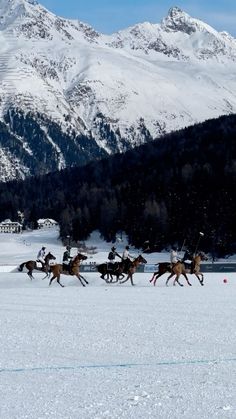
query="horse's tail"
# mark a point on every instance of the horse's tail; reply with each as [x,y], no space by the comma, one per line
[101,268]
[20,267]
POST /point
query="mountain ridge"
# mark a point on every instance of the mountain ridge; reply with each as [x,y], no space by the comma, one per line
[116,91]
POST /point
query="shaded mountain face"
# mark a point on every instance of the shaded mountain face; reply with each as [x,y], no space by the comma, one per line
[69,94]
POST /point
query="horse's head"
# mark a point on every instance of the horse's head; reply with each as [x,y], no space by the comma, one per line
[49,256]
[200,257]
[141,259]
[79,257]
[203,256]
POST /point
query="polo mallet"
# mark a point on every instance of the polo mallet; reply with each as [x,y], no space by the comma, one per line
[199,238]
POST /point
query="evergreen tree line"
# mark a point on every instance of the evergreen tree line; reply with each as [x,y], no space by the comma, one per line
[163,192]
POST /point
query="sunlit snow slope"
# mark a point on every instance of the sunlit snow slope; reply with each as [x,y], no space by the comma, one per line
[116,91]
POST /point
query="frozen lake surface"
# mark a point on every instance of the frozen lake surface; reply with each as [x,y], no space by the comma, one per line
[114,351]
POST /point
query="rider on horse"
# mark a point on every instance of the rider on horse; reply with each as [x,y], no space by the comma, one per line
[41,256]
[188,260]
[174,256]
[111,257]
[66,261]
[126,258]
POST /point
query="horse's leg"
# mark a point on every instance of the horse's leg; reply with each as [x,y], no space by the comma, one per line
[103,275]
[47,272]
[200,273]
[58,281]
[197,274]
[117,278]
[109,278]
[170,276]
[125,280]
[184,274]
[131,279]
[85,280]
[157,276]
[52,278]
[153,276]
[177,280]
[30,273]
[79,278]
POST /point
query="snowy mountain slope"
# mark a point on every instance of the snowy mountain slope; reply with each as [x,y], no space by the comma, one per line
[85,95]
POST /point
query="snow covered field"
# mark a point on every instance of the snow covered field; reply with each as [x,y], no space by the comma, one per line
[113,351]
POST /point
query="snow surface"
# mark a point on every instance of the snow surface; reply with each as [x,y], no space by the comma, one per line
[113,351]
[137,76]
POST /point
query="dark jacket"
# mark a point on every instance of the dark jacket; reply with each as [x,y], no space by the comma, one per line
[66,256]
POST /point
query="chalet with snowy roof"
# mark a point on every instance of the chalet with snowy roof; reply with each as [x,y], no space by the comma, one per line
[8,226]
[47,223]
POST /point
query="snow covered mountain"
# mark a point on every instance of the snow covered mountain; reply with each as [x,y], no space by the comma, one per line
[69,94]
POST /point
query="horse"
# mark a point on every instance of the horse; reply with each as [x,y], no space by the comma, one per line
[180,269]
[57,270]
[132,269]
[111,269]
[32,265]
[194,270]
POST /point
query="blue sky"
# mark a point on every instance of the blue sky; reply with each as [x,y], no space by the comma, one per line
[111,15]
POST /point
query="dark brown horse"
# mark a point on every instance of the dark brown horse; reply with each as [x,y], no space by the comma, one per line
[32,265]
[179,269]
[108,270]
[132,269]
[57,270]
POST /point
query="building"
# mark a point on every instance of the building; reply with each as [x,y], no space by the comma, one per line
[8,226]
[46,223]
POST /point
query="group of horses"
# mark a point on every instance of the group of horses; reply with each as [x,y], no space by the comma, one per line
[55,269]
[118,270]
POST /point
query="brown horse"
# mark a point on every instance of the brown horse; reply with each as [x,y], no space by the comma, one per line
[180,269]
[132,269]
[32,265]
[57,270]
[111,269]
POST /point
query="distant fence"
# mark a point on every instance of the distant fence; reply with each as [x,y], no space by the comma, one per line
[205,267]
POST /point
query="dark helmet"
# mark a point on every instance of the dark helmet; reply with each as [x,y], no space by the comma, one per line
[43,248]
[174,248]
[68,247]
[127,247]
[113,248]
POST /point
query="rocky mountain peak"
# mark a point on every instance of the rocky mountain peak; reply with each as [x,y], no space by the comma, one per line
[13,10]
[178,21]
[74,94]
